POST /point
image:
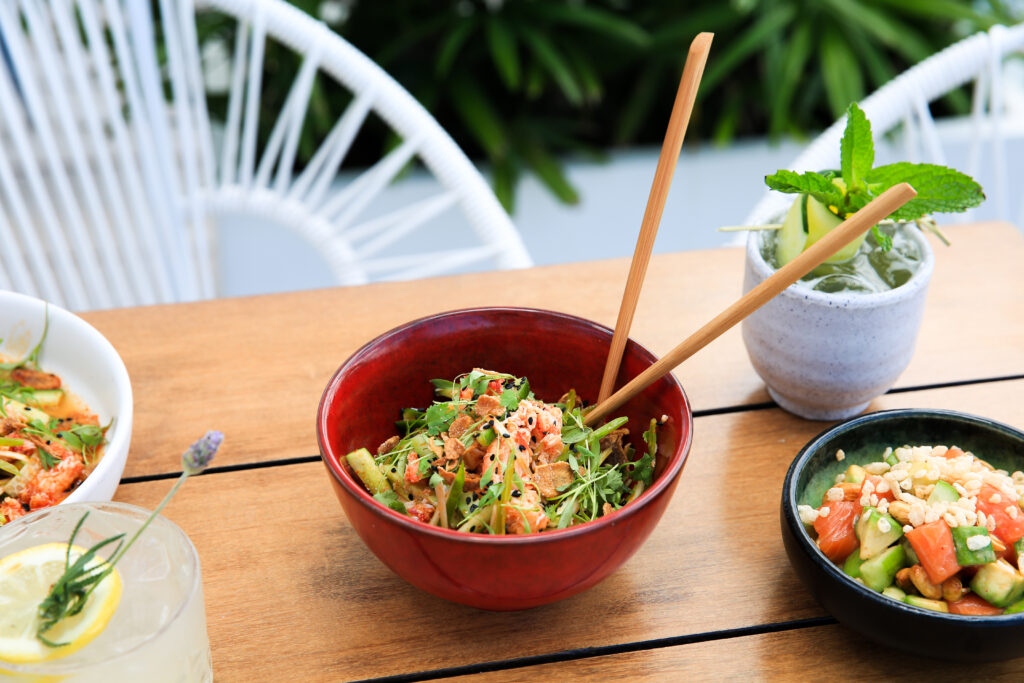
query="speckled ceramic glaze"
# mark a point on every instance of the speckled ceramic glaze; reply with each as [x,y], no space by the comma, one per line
[824,356]
[883,620]
[555,351]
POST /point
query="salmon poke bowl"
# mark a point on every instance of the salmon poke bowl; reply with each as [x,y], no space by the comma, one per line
[908,526]
[458,443]
[65,409]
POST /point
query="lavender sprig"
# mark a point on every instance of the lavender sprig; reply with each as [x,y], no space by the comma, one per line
[68,595]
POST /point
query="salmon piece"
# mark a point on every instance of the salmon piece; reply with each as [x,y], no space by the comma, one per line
[421,511]
[412,469]
[11,510]
[54,447]
[550,478]
[35,379]
[549,448]
[524,513]
[51,486]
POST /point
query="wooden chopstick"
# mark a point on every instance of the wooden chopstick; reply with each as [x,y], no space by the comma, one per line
[677,124]
[879,208]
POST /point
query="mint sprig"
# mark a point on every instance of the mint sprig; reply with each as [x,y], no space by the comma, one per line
[939,189]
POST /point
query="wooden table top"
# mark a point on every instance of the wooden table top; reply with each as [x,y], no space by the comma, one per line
[292,593]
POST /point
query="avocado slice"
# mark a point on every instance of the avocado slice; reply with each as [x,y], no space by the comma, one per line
[878,572]
[925,603]
[895,593]
[999,583]
[877,531]
[855,474]
[965,557]
[943,491]
[852,565]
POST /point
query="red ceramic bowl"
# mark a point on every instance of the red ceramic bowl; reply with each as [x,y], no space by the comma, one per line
[556,352]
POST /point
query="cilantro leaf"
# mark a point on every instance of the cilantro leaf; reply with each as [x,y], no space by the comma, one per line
[815,184]
[857,148]
[390,499]
[509,399]
[643,469]
[612,483]
[435,480]
[439,416]
[47,460]
[939,189]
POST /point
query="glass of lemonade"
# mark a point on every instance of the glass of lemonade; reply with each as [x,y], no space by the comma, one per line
[158,631]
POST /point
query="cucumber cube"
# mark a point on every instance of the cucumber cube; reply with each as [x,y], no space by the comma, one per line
[943,491]
[852,565]
[895,593]
[878,572]
[968,552]
[855,474]
[998,582]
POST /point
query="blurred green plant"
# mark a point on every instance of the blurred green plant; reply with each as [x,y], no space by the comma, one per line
[521,83]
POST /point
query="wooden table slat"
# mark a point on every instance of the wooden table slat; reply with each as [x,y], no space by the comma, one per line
[255,367]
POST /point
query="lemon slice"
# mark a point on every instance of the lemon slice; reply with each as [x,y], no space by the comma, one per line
[25,579]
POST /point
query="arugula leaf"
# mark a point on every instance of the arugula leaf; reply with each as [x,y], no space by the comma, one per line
[939,189]
[815,184]
[509,399]
[391,500]
[857,148]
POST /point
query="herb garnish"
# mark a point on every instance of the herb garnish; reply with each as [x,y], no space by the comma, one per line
[69,594]
[939,189]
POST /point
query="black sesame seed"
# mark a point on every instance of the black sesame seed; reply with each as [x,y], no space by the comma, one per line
[522,448]
[410,496]
[530,421]
[47,442]
[516,493]
[473,507]
[394,469]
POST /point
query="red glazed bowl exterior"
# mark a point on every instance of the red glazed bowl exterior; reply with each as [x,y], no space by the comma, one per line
[556,352]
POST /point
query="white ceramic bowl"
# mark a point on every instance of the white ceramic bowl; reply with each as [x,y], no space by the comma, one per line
[88,366]
[824,356]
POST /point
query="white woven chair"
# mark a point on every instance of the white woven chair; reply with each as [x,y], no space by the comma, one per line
[904,102]
[110,189]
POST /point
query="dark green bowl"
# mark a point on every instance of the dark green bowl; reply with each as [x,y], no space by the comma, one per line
[891,623]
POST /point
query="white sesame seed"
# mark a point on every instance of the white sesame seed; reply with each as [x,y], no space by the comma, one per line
[1012,511]
[823,511]
[834,494]
[907,527]
[840,455]
[883,525]
[996,498]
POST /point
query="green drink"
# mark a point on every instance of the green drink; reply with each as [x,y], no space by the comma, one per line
[869,270]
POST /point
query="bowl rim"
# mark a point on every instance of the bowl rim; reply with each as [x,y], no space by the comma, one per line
[115,452]
[789,498]
[917,282]
[672,469]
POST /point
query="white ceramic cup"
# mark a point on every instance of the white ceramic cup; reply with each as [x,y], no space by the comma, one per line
[825,356]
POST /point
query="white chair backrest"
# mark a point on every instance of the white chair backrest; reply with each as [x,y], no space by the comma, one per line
[111,188]
[904,101]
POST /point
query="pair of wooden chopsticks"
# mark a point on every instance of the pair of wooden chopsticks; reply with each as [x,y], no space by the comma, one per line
[878,209]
